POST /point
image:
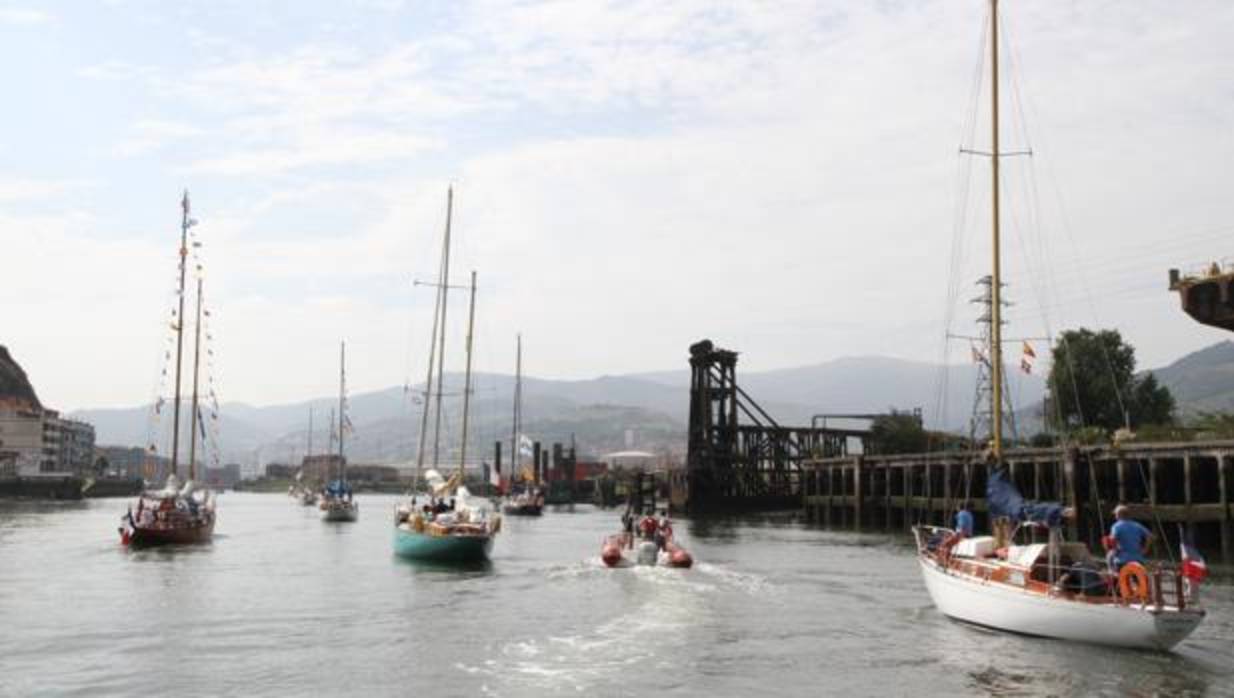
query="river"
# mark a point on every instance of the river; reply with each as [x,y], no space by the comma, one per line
[281,603]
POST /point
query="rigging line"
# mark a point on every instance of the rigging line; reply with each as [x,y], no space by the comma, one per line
[1075,261]
[1156,517]
[959,217]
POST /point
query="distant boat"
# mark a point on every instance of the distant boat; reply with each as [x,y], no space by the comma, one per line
[177,513]
[1055,589]
[527,498]
[451,525]
[337,499]
[304,494]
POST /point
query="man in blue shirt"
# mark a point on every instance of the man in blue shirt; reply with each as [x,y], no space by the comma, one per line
[964,521]
[1131,538]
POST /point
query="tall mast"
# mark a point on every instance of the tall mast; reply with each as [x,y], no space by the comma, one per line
[196,408]
[428,381]
[471,319]
[444,291]
[308,451]
[996,285]
[342,408]
[184,251]
[515,452]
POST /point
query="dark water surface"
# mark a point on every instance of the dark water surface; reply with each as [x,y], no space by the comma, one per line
[284,604]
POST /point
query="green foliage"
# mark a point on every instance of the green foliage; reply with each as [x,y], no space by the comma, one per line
[1214,425]
[1164,432]
[1091,371]
[1042,439]
[898,432]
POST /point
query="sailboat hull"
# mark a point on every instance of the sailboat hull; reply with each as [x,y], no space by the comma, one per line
[141,536]
[453,548]
[340,513]
[1004,607]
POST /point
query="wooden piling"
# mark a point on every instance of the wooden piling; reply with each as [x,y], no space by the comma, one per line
[1223,476]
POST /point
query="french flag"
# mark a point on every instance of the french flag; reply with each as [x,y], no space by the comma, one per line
[1194,567]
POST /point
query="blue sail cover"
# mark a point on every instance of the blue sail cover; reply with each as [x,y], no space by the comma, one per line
[338,488]
[1004,500]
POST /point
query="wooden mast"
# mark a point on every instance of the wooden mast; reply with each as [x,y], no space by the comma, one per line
[444,291]
[184,251]
[196,412]
[428,381]
[471,319]
[996,321]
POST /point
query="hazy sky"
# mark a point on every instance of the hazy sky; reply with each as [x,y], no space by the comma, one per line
[630,177]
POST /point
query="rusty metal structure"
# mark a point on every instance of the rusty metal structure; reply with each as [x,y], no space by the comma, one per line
[1207,295]
[738,457]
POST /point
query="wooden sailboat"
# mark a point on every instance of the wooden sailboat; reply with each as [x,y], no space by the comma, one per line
[1054,589]
[461,530]
[177,514]
[526,498]
[337,500]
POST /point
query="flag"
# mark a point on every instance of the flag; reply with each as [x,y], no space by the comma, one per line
[1027,357]
[524,445]
[347,427]
[494,477]
[1194,567]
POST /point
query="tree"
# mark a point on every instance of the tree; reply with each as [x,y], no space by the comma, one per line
[1092,381]
[898,432]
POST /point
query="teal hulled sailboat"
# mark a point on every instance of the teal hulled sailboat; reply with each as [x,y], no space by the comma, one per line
[461,530]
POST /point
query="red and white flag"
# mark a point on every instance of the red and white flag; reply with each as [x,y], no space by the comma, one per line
[1194,567]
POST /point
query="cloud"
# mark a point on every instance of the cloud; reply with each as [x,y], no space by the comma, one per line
[631,177]
[339,149]
[152,134]
[21,15]
[14,189]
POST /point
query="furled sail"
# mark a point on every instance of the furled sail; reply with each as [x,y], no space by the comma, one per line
[1005,501]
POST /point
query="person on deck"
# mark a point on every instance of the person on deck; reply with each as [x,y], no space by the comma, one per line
[1131,538]
[627,527]
[963,529]
[664,530]
[964,522]
[648,527]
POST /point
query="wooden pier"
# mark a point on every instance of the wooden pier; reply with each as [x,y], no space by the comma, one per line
[1190,483]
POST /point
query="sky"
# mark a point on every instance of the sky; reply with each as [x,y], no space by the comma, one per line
[629,177]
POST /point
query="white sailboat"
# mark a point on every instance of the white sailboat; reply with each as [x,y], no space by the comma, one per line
[1055,589]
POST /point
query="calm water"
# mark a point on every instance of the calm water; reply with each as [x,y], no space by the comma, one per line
[283,604]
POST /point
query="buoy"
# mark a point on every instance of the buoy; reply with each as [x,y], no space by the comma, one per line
[610,552]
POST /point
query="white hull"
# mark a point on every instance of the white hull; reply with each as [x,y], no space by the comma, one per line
[1005,607]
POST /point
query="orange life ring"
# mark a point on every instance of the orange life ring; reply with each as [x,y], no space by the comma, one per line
[1136,571]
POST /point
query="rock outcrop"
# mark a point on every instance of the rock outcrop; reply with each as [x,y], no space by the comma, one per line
[15,389]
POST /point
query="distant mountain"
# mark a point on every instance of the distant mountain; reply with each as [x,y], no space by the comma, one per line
[1202,381]
[647,411]
[868,384]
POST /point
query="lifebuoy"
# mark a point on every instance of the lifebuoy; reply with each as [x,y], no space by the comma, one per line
[1137,590]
